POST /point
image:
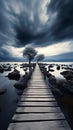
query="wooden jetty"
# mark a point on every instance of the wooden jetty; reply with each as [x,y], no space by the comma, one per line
[37,108]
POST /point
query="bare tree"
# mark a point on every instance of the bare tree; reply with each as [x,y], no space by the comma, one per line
[40,57]
[30,53]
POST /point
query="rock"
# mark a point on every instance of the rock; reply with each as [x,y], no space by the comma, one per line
[15,64]
[67,74]
[25,69]
[2,90]
[45,74]
[50,66]
[20,85]
[27,65]
[30,73]
[7,69]
[15,75]
[70,82]
[52,80]
[67,87]
[27,76]
[49,74]
[58,67]
[19,93]
[1,69]
[57,92]
[60,83]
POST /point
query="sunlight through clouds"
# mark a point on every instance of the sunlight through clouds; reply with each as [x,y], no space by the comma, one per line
[52,50]
[63,47]
[43,11]
[17,52]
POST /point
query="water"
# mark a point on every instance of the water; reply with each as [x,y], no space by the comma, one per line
[8,101]
[56,73]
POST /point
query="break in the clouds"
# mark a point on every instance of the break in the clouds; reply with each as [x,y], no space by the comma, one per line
[40,23]
[65,57]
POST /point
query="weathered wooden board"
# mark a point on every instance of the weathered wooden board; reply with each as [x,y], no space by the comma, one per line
[37,99]
[36,96]
[37,93]
[47,125]
[38,117]
[42,104]
[38,85]
[39,89]
[38,109]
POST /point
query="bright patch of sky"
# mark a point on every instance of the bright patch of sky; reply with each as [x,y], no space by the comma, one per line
[43,11]
[56,49]
[15,52]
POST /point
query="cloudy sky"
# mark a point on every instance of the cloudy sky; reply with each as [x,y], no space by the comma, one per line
[46,25]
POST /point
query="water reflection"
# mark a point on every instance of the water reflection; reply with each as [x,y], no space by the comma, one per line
[56,73]
[8,101]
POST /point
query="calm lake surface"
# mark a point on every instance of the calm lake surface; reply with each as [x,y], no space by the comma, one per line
[8,100]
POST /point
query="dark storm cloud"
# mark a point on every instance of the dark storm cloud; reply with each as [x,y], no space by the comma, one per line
[61,22]
[20,22]
[4,55]
[23,22]
[62,27]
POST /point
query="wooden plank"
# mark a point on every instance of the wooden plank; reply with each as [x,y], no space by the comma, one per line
[36,87]
[36,96]
[39,99]
[36,84]
[51,104]
[38,81]
[37,90]
[47,91]
[23,97]
[47,125]
[34,80]
[37,117]
[35,93]
[38,109]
